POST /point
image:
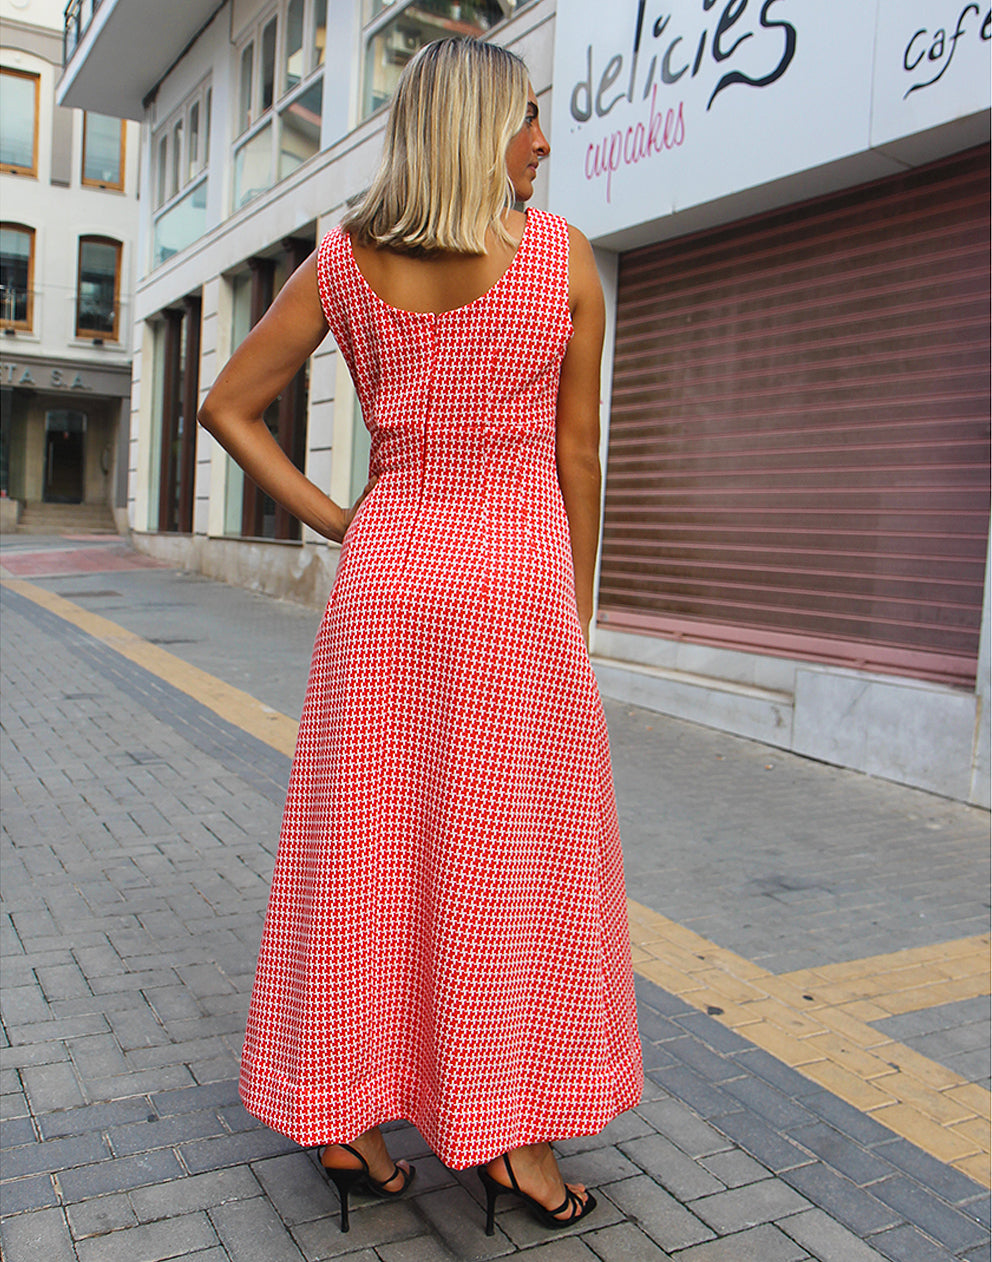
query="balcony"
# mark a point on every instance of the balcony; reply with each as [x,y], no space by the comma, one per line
[115,52]
[78,16]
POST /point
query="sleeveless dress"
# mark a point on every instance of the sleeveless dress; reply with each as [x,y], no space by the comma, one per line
[446,938]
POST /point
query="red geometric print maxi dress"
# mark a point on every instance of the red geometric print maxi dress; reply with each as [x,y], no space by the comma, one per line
[446,938]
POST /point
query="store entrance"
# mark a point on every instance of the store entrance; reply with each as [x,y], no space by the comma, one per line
[65,443]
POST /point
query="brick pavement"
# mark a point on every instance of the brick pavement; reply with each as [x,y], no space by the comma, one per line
[139,832]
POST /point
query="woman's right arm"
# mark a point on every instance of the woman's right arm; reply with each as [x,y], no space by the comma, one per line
[262,366]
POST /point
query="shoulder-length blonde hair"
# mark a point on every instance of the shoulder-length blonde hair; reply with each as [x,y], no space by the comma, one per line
[442,181]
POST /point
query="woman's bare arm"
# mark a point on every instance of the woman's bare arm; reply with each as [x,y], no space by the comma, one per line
[577,444]
[261,367]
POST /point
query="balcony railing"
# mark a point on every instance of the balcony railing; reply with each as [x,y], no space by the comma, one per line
[16,307]
[78,16]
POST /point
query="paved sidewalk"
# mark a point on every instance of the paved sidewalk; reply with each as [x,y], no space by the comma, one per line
[139,828]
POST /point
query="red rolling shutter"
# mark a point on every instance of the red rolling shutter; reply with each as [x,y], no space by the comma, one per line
[799,437]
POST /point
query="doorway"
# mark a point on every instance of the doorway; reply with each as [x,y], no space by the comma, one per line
[65,450]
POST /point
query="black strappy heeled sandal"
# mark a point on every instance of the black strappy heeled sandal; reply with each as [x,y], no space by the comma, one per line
[347,1178]
[580,1208]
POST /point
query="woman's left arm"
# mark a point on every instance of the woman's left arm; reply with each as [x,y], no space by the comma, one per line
[261,367]
[577,441]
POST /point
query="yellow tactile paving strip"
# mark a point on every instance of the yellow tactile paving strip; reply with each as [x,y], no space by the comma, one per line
[238,707]
[814,1020]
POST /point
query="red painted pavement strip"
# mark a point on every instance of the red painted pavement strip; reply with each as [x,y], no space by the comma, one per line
[50,562]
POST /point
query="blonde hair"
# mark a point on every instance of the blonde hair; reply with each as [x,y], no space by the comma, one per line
[442,181]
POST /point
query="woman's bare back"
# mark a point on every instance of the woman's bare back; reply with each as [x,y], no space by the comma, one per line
[438,282]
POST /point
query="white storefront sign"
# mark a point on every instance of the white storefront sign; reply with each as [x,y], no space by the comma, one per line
[662,105]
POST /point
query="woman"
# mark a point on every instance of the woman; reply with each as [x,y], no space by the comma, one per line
[446,936]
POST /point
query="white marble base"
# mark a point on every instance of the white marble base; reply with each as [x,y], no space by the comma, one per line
[913,732]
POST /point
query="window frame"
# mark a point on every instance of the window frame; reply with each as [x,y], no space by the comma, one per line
[172,166]
[254,116]
[104,184]
[26,325]
[14,168]
[91,335]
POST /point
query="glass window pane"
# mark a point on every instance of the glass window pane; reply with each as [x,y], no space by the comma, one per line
[244,107]
[193,141]
[163,170]
[176,182]
[96,309]
[253,167]
[208,105]
[181,225]
[294,45]
[17,120]
[102,150]
[319,31]
[15,275]
[300,135]
[267,73]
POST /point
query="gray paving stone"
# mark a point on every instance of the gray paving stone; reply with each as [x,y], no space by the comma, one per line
[250,1230]
[858,1164]
[955,1229]
[734,1210]
[769,1146]
[51,1087]
[36,1236]
[190,1099]
[735,1169]
[842,1199]
[458,1221]
[28,1193]
[296,1188]
[947,1182]
[152,1242]
[598,1166]
[683,1176]
[372,1226]
[16,1131]
[93,1117]
[704,1097]
[193,1192]
[624,1243]
[766,1101]
[694,1136]
[118,1175]
[759,1244]
[825,1239]
[232,1150]
[667,1222]
[906,1244]
[56,1155]
[101,1215]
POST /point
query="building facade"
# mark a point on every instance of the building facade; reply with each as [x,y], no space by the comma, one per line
[789,208]
[68,222]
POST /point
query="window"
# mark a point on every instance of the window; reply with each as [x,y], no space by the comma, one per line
[182,154]
[103,151]
[395,31]
[281,96]
[18,122]
[16,276]
[98,293]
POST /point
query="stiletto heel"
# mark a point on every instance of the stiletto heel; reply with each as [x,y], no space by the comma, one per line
[348,1177]
[493,1190]
[549,1217]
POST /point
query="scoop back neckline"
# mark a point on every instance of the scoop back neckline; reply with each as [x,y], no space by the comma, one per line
[436,315]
